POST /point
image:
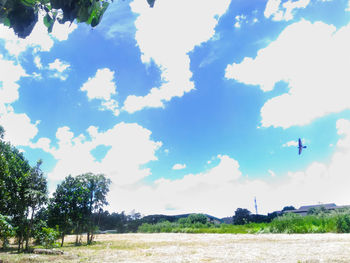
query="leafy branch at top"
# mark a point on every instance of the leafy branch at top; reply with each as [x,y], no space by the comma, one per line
[22,15]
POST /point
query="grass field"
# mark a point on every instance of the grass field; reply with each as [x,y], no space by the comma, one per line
[169,247]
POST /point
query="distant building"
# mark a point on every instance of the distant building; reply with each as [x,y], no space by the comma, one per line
[303,210]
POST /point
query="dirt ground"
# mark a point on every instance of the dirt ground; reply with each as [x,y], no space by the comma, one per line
[202,248]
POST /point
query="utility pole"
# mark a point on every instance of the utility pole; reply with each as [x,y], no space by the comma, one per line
[256,206]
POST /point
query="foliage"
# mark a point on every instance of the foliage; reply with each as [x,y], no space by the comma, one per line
[293,223]
[197,218]
[241,216]
[22,15]
[23,190]
[6,230]
[343,223]
[75,201]
[47,237]
[288,208]
[318,210]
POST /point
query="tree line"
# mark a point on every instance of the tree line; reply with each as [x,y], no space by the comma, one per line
[27,212]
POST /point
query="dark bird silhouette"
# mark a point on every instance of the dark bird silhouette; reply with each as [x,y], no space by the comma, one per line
[300,146]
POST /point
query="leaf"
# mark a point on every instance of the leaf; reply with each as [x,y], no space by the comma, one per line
[30,3]
[49,22]
[7,22]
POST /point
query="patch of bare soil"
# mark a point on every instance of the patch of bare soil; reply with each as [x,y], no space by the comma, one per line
[227,248]
[309,248]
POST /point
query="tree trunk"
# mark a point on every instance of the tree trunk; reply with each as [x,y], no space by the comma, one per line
[29,229]
[19,244]
[62,237]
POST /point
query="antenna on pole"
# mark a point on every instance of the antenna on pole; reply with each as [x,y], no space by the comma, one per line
[256,206]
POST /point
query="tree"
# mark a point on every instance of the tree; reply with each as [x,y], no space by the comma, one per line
[288,208]
[36,195]
[97,186]
[62,207]
[22,15]
[197,218]
[75,201]
[23,190]
[241,216]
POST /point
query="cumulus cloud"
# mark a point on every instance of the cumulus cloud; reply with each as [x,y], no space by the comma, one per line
[130,148]
[279,11]
[312,58]
[59,69]
[19,129]
[166,34]
[179,166]
[222,189]
[102,87]
[10,74]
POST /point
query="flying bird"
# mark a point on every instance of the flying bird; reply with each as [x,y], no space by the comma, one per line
[300,146]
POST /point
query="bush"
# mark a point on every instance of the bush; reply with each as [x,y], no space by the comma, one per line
[6,231]
[343,223]
[47,237]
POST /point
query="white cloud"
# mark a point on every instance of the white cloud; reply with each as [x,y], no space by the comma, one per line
[130,149]
[239,20]
[102,87]
[37,62]
[312,58]
[222,189]
[167,40]
[279,11]
[59,65]
[290,144]
[61,32]
[59,68]
[179,166]
[10,74]
[19,129]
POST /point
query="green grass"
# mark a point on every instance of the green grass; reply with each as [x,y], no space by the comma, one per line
[336,222]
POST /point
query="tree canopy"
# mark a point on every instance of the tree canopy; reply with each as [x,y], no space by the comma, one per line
[22,15]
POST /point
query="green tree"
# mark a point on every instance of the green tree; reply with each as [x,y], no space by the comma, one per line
[36,195]
[288,208]
[75,201]
[97,187]
[22,15]
[62,206]
[197,218]
[241,216]
[23,190]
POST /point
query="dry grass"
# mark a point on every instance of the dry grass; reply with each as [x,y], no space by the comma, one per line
[308,248]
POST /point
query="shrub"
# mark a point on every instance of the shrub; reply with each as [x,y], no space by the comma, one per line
[47,237]
[6,231]
[343,223]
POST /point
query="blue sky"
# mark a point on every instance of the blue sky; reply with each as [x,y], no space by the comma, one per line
[191,106]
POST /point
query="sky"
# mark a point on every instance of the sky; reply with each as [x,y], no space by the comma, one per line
[191,106]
